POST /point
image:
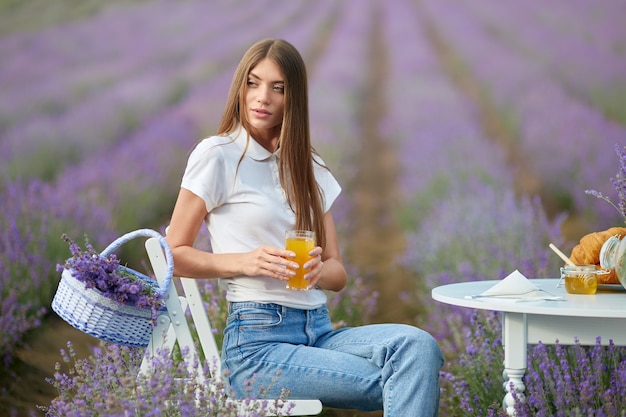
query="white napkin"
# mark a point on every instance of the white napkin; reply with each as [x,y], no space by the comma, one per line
[514,286]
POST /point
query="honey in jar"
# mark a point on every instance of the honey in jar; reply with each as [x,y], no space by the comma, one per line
[580,279]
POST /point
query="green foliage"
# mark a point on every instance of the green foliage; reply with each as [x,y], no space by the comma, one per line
[20,15]
[45,162]
[612,101]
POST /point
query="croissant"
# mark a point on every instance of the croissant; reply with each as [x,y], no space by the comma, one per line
[587,252]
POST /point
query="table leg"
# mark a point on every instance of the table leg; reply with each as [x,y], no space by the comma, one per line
[514,339]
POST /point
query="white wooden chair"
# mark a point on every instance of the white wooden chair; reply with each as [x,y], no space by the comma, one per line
[173,327]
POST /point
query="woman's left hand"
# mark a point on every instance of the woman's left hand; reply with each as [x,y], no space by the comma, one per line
[314,267]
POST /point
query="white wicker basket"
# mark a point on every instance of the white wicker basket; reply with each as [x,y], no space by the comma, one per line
[87,310]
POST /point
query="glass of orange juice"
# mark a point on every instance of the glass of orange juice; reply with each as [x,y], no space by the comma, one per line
[301,242]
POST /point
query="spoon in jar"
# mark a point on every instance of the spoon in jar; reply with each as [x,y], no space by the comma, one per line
[561,255]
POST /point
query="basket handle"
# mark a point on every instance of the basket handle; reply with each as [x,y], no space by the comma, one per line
[169,258]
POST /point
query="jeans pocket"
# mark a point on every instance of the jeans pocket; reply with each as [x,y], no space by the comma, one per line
[250,327]
[252,317]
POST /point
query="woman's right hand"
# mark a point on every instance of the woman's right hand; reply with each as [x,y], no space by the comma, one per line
[269,261]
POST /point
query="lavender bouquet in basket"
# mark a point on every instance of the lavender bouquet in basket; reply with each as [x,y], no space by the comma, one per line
[113,280]
[107,300]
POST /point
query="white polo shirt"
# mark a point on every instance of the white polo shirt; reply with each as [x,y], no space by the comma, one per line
[248,208]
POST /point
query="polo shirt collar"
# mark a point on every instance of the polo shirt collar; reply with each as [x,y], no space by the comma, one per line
[255,150]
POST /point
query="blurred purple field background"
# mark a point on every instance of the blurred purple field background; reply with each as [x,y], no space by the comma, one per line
[493,118]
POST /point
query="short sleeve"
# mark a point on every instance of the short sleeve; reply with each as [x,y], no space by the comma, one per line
[204,174]
[327,183]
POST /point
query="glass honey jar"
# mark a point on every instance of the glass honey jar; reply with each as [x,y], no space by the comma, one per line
[613,257]
[580,279]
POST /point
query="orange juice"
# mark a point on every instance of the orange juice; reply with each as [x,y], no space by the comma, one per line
[301,242]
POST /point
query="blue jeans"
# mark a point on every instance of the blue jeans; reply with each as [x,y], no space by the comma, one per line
[392,367]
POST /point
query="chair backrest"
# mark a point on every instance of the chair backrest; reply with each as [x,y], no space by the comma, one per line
[171,326]
[203,324]
[177,305]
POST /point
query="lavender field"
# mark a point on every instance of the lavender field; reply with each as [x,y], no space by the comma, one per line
[463,133]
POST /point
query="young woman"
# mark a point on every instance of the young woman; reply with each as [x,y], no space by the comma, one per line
[249,184]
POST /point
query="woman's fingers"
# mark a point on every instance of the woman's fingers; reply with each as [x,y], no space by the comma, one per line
[272,262]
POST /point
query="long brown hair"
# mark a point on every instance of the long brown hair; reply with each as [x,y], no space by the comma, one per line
[296,153]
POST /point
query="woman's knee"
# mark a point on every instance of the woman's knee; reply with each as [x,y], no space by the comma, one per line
[420,343]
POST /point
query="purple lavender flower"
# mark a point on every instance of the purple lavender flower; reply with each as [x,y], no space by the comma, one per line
[110,278]
[108,383]
[619,182]
[567,380]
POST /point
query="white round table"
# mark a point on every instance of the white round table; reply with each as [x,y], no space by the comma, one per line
[581,317]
